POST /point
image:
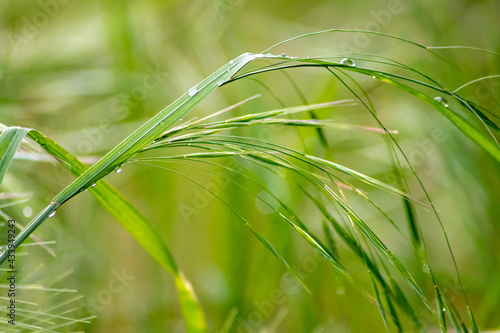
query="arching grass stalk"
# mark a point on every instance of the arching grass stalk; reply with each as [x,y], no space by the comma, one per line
[157,129]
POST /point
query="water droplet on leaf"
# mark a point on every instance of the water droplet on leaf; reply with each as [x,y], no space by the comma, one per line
[52,214]
[118,170]
[193,91]
[347,62]
[284,54]
[441,100]
[231,62]
[180,119]
[93,185]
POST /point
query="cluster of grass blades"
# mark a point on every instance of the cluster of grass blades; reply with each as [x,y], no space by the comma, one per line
[320,180]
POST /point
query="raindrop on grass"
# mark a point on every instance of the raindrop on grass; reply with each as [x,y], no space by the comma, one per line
[180,119]
[52,214]
[441,100]
[284,55]
[118,170]
[93,185]
[347,62]
[231,62]
[193,91]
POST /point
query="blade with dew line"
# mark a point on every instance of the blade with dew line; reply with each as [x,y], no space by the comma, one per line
[139,139]
[490,146]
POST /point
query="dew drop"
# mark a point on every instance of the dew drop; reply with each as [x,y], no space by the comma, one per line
[441,100]
[347,62]
[118,170]
[374,77]
[27,211]
[180,119]
[93,185]
[231,62]
[284,55]
[154,141]
[193,91]
[426,268]
[52,214]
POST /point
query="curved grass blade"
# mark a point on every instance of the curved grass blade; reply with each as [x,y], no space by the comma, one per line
[493,148]
[254,231]
[292,220]
[365,230]
[10,140]
[138,226]
[136,141]
[461,123]
[303,231]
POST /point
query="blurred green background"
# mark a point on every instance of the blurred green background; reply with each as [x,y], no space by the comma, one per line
[87,73]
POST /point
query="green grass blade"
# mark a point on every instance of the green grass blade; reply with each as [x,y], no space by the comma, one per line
[10,140]
[139,139]
[138,226]
[252,229]
[461,123]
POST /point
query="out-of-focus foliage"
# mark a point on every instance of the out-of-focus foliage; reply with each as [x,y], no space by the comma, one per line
[87,73]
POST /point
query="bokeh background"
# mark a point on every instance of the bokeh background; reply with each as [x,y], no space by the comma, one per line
[87,73]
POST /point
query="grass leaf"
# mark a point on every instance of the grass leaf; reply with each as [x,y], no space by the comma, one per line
[135,223]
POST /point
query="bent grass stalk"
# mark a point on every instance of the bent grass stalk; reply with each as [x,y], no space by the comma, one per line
[155,128]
